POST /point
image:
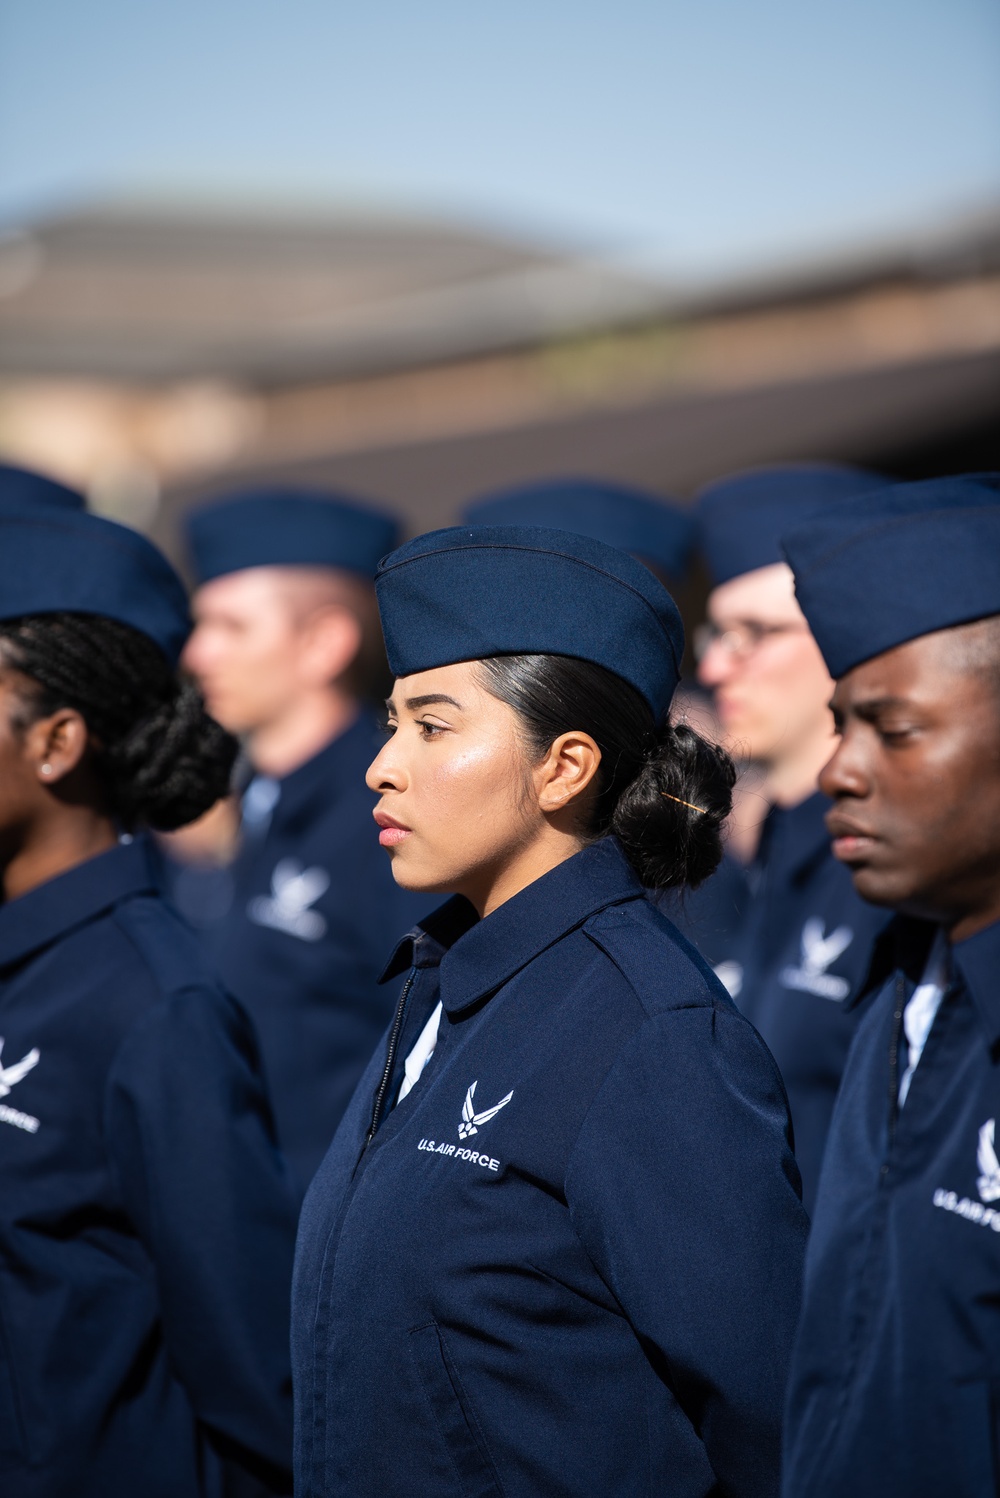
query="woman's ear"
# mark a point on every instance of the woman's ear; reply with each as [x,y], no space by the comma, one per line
[55,745]
[568,769]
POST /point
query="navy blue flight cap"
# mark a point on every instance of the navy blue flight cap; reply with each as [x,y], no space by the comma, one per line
[655,530]
[22,486]
[741,519]
[61,559]
[287,528]
[904,562]
[468,593]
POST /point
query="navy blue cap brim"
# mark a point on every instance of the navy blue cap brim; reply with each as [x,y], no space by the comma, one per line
[742,519]
[60,560]
[905,562]
[654,530]
[468,593]
[287,528]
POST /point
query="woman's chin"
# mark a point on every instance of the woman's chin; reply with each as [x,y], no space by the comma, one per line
[421,881]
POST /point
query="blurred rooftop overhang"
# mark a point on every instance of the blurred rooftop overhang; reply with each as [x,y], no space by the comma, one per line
[158,293]
[153,356]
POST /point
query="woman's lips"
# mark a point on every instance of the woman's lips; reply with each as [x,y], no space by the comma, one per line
[389,837]
[391,832]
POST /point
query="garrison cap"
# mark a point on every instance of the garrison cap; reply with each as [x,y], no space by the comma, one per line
[655,530]
[287,528]
[904,562]
[54,559]
[741,519]
[22,486]
[475,591]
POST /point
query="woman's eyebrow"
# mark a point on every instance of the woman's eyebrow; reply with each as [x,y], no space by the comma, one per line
[413,703]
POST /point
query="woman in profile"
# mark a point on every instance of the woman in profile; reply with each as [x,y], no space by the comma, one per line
[146,1223]
[555,1247]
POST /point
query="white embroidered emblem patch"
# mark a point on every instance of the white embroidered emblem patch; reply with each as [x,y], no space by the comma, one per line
[819,951]
[987,1184]
[286,908]
[472,1121]
[9,1077]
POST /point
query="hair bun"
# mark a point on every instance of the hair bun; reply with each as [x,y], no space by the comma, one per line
[173,764]
[669,819]
[162,759]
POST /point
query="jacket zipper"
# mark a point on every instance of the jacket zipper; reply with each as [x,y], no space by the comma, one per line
[897,1036]
[390,1058]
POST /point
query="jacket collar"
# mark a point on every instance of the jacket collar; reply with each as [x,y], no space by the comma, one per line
[338,769]
[977,960]
[50,911]
[903,947]
[477,957]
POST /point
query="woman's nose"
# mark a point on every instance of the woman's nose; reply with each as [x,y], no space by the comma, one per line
[385,773]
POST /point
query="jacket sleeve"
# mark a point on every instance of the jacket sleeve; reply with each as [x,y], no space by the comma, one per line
[685,1194]
[190,1135]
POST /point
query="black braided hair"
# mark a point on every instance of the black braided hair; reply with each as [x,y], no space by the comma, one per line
[162,760]
[664,793]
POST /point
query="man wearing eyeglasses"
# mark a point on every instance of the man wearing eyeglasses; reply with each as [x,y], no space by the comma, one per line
[803,943]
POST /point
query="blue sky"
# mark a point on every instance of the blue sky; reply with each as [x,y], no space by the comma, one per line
[700,137]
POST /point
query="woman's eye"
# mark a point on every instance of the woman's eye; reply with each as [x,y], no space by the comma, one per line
[389,728]
[430,730]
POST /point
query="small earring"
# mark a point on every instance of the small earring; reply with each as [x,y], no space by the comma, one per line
[46,769]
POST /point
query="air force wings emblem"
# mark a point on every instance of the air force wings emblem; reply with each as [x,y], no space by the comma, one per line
[293,890]
[988,1184]
[11,1075]
[819,952]
[473,1121]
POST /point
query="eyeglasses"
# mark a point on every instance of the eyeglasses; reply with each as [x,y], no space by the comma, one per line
[740,641]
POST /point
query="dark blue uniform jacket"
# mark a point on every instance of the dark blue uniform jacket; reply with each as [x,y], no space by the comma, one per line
[314,914]
[568,1262]
[896,1380]
[146,1223]
[801,950]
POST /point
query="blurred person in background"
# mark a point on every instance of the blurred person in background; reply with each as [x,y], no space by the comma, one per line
[805,938]
[555,1244]
[288,652]
[146,1218]
[656,531]
[895,1377]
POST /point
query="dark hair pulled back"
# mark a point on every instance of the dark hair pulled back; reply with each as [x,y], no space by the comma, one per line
[646,774]
[162,760]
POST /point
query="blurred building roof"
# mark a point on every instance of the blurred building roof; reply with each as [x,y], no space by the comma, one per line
[156,293]
[166,293]
[153,356]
